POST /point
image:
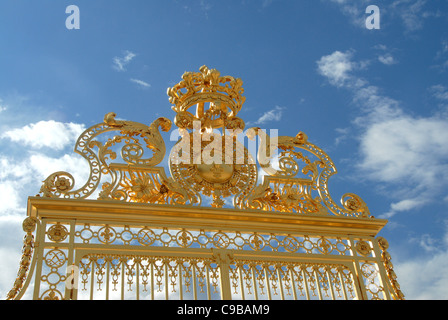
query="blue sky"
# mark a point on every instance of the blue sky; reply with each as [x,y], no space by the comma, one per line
[375,100]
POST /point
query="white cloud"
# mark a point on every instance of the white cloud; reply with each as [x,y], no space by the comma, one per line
[422,278]
[119,63]
[406,204]
[2,107]
[10,262]
[411,13]
[22,174]
[441,57]
[408,155]
[343,134]
[266,3]
[403,205]
[15,179]
[440,92]
[387,59]
[77,166]
[141,83]
[354,9]
[337,68]
[10,198]
[51,134]
[271,115]
[406,147]
[20,178]
[375,105]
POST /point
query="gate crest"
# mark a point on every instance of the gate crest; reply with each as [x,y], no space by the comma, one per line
[229,220]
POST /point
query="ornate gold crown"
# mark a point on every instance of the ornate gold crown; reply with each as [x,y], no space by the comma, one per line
[222,93]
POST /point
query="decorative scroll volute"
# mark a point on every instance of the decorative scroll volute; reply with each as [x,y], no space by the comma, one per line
[295,171]
[289,185]
[144,173]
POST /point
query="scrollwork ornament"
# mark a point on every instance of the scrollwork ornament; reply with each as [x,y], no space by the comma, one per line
[223,95]
[57,233]
[57,183]
[355,204]
[52,295]
[363,248]
[29,224]
[384,245]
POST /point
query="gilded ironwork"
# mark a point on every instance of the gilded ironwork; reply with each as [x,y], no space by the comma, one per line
[29,225]
[228,221]
[299,183]
[384,245]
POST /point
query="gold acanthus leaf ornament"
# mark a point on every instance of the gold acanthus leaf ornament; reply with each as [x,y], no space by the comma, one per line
[296,172]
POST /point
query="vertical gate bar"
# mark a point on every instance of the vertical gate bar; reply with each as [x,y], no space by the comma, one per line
[319,292]
[279,275]
[333,296]
[122,277]
[359,284]
[108,262]
[293,284]
[341,278]
[384,279]
[224,275]
[255,283]
[207,269]
[166,279]
[76,262]
[266,276]
[193,273]
[137,277]
[39,241]
[92,278]
[181,290]
[305,280]
[241,282]
[152,278]
[69,292]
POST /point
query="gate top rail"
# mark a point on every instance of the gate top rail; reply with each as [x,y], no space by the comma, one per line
[199,217]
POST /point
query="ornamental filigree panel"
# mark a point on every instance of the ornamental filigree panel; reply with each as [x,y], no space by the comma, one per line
[215,160]
[146,236]
[53,275]
[137,228]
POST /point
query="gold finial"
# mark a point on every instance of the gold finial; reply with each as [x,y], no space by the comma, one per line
[223,94]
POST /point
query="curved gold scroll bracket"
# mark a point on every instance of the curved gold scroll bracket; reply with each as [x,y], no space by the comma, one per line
[281,190]
[61,184]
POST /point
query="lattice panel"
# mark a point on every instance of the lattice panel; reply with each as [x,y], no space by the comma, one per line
[147,277]
[205,239]
[272,280]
